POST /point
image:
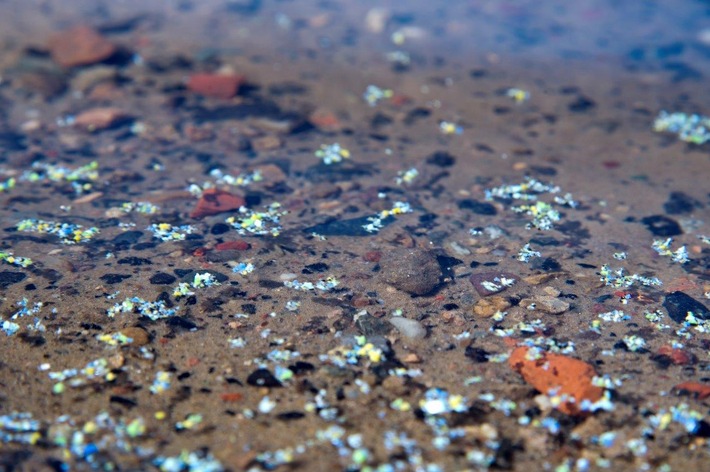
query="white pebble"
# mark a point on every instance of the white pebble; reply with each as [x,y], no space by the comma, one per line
[408,328]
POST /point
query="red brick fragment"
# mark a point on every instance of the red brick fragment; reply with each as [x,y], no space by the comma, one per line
[564,375]
[233,246]
[214,201]
[215,85]
[79,46]
[698,390]
[231,397]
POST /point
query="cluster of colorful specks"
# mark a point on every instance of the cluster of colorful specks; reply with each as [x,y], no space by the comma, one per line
[243,268]
[114,339]
[690,128]
[19,427]
[374,94]
[221,178]
[9,258]
[543,213]
[189,461]
[519,95]
[68,233]
[200,280]
[406,176]
[346,355]
[447,127]
[663,248]
[97,369]
[332,153]
[153,310]
[161,383]
[324,285]
[168,232]
[80,178]
[527,253]
[258,222]
[145,208]
[375,222]
[11,328]
[619,279]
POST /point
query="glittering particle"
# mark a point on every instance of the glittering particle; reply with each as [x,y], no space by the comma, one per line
[145,208]
[526,253]
[332,153]
[406,176]
[447,127]
[189,462]
[519,95]
[200,281]
[619,279]
[168,232]
[243,268]
[374,94]
[161,382]
[323,285]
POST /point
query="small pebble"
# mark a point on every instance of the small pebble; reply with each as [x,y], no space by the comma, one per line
[408,328]
[414,271]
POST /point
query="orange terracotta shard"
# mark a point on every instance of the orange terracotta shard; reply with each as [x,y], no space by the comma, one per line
[698,390]
[214,201]
[570,378]
[215,85]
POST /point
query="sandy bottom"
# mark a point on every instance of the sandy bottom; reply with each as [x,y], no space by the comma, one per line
[146,329]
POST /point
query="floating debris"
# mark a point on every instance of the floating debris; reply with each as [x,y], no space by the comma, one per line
[375,223]
[526,253]
[145,208]
[374,94]
[256,222]
[519,95]
[447,127]
[168,232]
[689,128]
[9,258]
[153,310]
[200,280]
[662,247]
[67,232]
[323,285]
[406,176]
[619,279]
[332,153]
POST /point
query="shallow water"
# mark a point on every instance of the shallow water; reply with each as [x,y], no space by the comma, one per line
[490,197]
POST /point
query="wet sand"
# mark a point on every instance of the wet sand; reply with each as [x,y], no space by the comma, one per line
[491,197]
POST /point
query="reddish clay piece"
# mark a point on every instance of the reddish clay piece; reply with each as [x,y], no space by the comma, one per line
[79,46]
[676,356]
[233,246]
[214,201]
[555,372]
[698,390]
[215,85]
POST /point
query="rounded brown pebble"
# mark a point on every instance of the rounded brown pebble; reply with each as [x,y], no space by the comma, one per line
[79,46]
[138,335]
[415,271]
[99,118]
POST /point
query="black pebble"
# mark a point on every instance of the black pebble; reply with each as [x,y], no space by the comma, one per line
[181,322]
[127,238]
[476,354]
[290,415]
[544,241]
[480,208]
[679,203]
[161,278]
[441,159]
[678,304]
[317,267]
[661,225]
[263,378]
[8,278]
[300,367]
[549,264]
[581,105]
[219,228]
[114,278]
[134,261]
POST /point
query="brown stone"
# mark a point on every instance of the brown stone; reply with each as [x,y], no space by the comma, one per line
[79,46]
[138,335]
[215,85]
[214,201]
[97,119]
[415,271]
[487,307]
